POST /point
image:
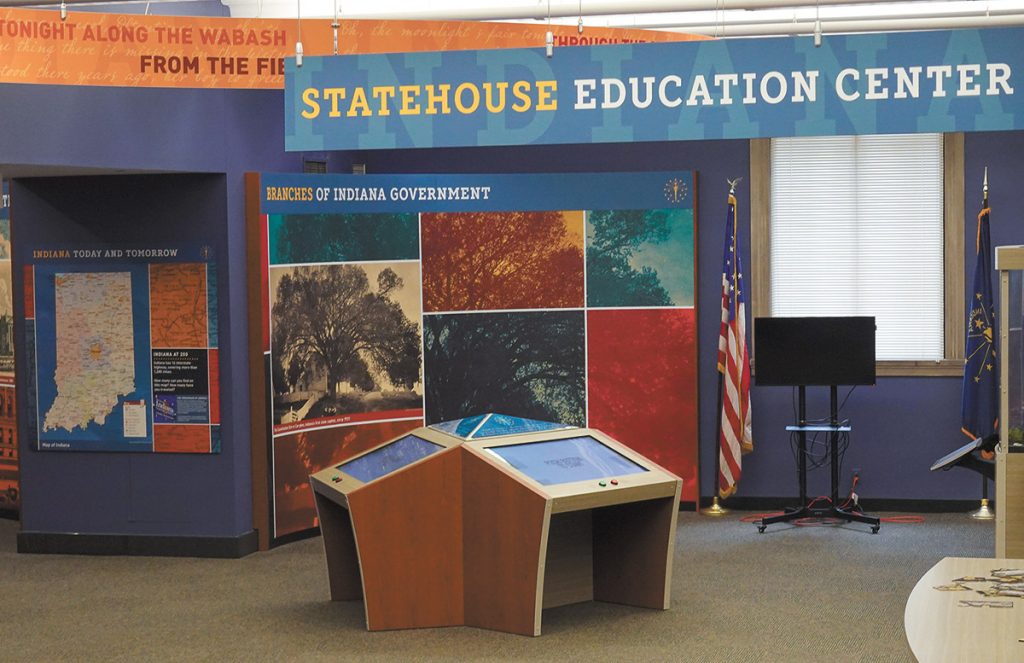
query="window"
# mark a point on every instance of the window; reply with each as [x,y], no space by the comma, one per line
[865,225]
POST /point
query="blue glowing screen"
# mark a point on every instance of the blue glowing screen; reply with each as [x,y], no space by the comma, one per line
[389,458]
[564,461]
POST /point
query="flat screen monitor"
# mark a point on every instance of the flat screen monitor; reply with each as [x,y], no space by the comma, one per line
[814,351]
[566,460]
[390,457]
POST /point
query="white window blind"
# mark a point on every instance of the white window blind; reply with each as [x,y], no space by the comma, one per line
[857,229]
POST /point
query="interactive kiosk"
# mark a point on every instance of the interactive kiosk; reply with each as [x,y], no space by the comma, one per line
[498,519]
[391,520]
[561,517]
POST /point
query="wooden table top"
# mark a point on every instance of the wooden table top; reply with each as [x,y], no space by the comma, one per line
[962,623]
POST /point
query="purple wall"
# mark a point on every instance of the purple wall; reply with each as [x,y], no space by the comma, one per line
[221,133]
[900,426]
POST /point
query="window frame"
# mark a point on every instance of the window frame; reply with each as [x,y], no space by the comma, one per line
[952,363]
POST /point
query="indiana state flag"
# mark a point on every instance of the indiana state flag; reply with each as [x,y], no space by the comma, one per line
[979,412]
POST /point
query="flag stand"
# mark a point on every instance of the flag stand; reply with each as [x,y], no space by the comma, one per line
[983,512]
[717,509]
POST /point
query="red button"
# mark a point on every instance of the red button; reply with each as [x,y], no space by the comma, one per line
[615,482]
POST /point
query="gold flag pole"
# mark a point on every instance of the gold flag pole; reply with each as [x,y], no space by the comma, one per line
[984,512]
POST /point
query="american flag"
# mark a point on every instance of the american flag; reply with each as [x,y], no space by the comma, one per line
[735,437]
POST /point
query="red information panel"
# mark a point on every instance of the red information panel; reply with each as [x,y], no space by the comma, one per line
[643,380]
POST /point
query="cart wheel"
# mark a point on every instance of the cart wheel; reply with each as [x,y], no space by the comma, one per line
[761,528]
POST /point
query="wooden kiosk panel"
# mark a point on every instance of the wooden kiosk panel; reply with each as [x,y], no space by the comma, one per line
[1010,455]
[392,529]
[506,527]
[409,530]
[633,545]
[340,549]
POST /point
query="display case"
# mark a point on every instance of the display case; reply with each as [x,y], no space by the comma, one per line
[1010,453]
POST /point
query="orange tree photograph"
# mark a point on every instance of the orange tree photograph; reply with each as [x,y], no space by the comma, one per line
[502,260]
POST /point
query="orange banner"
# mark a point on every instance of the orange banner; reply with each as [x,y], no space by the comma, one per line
[194,52]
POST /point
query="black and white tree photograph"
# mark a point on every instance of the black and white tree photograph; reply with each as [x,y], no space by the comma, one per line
[345,339]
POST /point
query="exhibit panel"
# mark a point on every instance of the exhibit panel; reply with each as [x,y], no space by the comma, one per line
[10,494]
[456,314]
[122,349]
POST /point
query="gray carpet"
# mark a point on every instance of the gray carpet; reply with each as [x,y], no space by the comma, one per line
[791,594]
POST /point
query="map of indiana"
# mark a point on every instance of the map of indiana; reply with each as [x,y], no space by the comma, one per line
[95,347]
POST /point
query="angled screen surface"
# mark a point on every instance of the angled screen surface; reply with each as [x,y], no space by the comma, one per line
[563,461]
[502,424]
[389,458]
[460,427]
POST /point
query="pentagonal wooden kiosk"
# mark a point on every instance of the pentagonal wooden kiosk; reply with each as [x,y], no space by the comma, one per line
[488,520]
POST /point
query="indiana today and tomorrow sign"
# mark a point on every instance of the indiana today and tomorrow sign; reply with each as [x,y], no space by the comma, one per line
[963,80]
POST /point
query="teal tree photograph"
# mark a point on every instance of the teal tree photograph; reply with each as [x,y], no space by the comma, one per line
[322,238]
[640,257]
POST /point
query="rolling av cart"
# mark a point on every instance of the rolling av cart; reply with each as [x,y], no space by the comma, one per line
[833,428]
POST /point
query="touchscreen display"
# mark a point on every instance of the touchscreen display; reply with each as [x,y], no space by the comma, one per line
[389,458]
[566,460]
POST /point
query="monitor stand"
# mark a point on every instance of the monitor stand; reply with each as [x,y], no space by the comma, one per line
[806,510]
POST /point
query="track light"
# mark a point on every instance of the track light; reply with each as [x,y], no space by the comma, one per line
[334,28]
[549,38]
[63,10]
[298,24]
